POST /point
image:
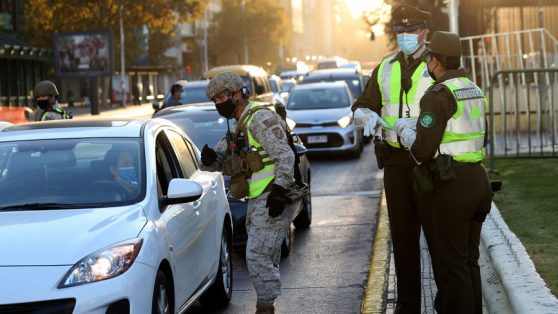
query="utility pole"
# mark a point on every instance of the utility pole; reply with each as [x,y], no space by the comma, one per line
[122,61]
[205,25]
[453,7]
[244,28]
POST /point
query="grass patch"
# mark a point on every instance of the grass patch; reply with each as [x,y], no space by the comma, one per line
[529,204]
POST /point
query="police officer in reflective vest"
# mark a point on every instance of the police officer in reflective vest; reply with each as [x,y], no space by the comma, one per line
[260,162]
[394,91]
[449,141]
[46,96]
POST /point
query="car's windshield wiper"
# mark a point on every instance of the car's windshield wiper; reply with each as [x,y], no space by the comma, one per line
[39,206]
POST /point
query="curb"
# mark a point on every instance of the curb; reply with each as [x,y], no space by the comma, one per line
[525,290]
[376,286]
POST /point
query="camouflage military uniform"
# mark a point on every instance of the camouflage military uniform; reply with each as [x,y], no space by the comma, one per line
[266,234]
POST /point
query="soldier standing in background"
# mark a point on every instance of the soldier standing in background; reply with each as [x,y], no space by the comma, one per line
[260,140]
[46,96]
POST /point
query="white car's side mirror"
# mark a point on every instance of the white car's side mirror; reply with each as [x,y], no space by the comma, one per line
[182,191]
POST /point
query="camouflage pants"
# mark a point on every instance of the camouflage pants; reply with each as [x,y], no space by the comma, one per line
[263,249]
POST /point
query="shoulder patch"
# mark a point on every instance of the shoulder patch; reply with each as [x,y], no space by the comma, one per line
[278,132]
[427,119]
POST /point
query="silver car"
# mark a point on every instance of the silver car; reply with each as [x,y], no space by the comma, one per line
[320,113]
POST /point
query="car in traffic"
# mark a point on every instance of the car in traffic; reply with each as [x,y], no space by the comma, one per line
[192,92]
[288,84]
[107,216]
[320,114]
[276,87]
[205,126]
[353,78]
[255,78]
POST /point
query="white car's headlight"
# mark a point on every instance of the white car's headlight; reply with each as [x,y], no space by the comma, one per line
[106,263]
[345,121]
[291,124]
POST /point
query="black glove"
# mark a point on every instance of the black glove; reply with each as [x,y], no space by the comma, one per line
[276,201]
[208,156]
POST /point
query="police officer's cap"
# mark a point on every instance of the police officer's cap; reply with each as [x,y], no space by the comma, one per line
[45,88]
[445,44]
[225,81]
[408,16]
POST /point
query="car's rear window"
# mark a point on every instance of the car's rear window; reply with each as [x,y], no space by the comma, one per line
[354,83]
[318,98]
[193,95]
[74,172]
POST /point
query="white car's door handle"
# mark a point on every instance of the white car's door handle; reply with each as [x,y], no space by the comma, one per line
[213,184]
[197,205]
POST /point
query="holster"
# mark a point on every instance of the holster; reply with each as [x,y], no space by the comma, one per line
[381,151]
[422,178]
[444,168]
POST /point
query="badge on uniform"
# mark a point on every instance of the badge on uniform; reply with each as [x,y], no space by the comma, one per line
[278,133]
[427,120]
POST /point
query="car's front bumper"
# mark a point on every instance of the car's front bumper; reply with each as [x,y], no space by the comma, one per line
[27,284]
[337,139]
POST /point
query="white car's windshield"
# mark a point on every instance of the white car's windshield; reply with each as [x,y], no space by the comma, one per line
[70,173]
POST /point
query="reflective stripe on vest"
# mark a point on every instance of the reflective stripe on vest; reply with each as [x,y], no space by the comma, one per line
[463,138]
[58,111]
[389,81]
[259,180]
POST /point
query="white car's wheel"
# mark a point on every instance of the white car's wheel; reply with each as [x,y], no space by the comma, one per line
[220,293]
[161,295]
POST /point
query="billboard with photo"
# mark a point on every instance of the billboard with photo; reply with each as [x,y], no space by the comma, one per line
[83,54]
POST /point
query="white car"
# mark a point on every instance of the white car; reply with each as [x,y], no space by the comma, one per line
[110,217]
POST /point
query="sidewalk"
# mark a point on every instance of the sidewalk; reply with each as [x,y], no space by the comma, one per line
[115,111]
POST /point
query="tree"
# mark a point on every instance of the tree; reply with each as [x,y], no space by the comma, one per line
[264,24]
[44,18]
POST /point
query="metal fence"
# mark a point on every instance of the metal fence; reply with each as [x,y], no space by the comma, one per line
[519,73]
[522,114]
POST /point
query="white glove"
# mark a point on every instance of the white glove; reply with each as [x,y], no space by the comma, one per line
[403,123]
[368,120]
[408,137]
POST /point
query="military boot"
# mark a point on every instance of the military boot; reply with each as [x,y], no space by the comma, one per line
[265,309]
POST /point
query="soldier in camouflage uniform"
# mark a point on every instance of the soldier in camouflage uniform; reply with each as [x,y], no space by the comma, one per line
[269,213]
[46,96]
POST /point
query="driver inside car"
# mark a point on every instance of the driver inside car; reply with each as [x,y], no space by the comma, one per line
[123,170]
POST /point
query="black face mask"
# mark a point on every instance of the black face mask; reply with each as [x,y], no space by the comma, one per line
[226,108]
[43,104]
[432,75]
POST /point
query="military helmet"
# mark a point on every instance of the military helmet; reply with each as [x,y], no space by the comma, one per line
[45,88]
[224,81]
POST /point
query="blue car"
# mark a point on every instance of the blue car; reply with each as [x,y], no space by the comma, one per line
[204,125]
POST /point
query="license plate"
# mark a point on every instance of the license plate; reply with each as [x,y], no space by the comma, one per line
[317,139]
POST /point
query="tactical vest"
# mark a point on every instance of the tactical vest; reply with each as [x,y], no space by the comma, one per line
[389,81]
[59,111]
[463,138]
[259,180]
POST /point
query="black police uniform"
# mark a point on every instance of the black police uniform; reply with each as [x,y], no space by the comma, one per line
[458,208]
[407,209]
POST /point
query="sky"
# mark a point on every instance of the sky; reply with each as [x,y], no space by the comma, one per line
[358,7]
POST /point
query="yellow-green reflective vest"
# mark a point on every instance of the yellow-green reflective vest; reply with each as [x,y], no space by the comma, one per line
[464,135]
[59,111]
[259,180]
[389,81]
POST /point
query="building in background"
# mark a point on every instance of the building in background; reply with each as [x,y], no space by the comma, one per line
[21,66]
